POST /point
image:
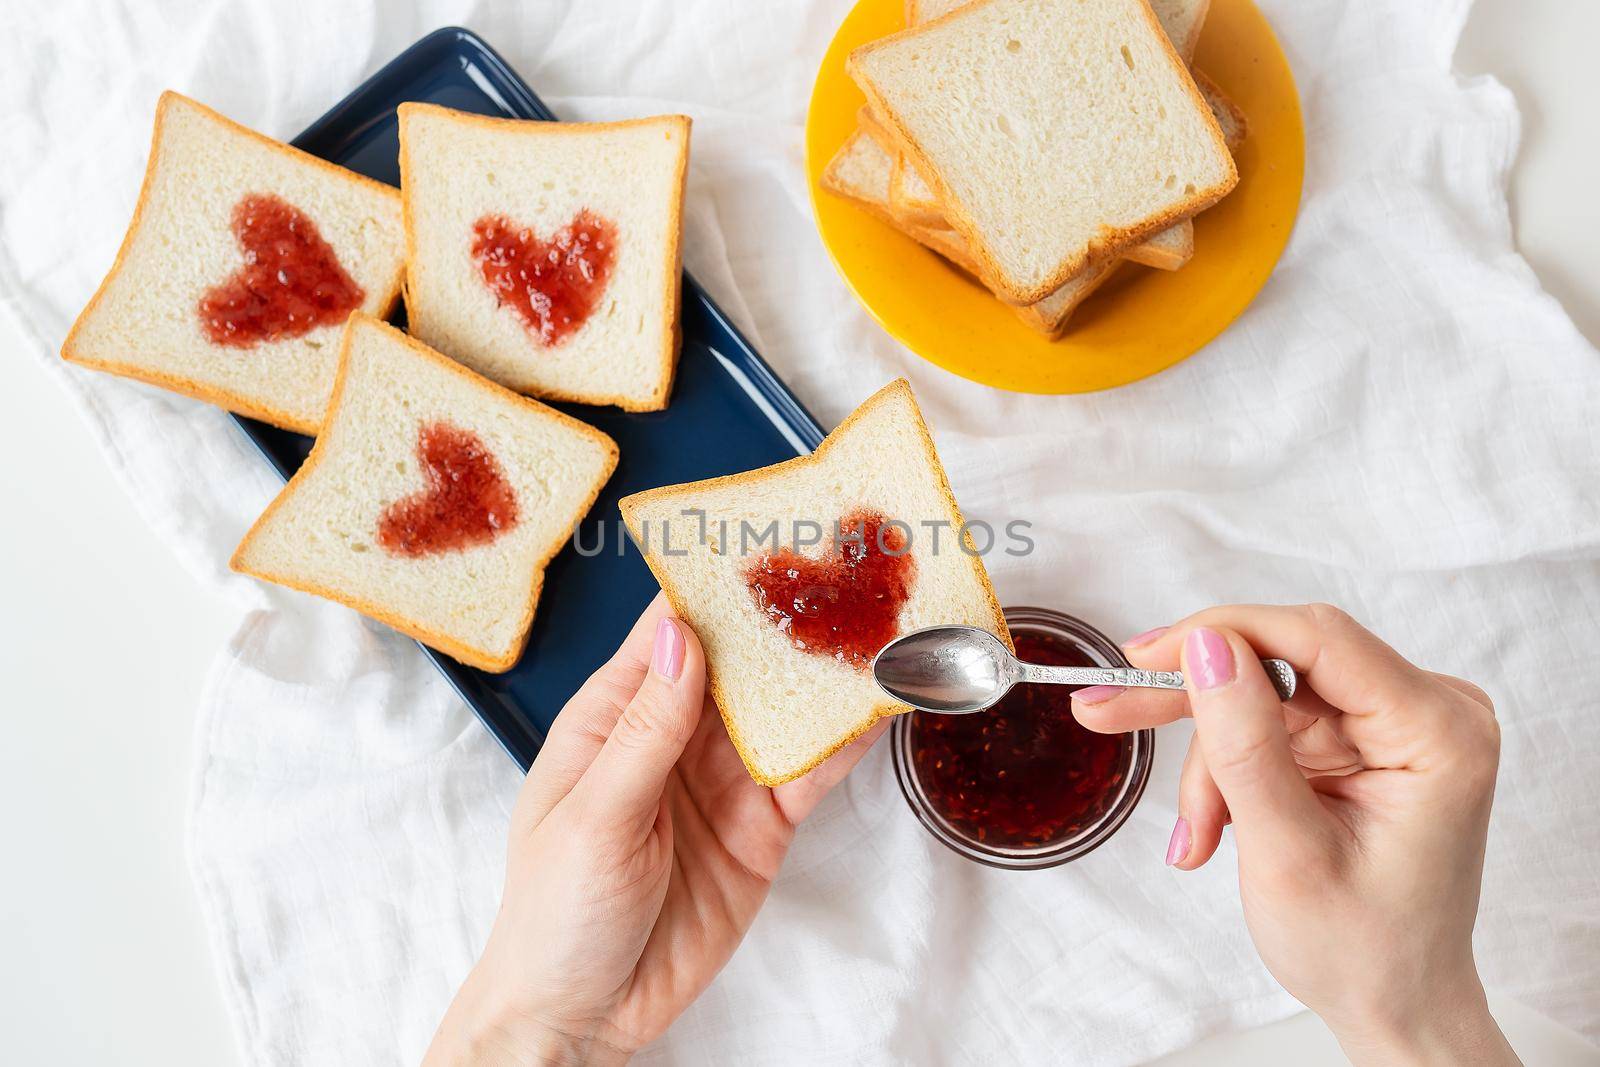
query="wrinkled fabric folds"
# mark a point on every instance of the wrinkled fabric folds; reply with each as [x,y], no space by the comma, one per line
[1403,424]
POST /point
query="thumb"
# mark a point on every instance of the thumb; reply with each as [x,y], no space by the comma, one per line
[625,782]
[1239,723]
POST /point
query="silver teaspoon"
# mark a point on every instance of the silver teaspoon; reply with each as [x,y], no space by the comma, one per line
[957,670]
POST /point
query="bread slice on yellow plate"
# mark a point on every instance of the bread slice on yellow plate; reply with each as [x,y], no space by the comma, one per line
[546,255]
[242,262]
[1230,117]
[1041,184]
[432,501]
[860,172]
[791,613]
[914,202]
[1170,249]
[863,171]
[1182,20]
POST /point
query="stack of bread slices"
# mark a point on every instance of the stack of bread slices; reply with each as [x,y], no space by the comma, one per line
[1039,145]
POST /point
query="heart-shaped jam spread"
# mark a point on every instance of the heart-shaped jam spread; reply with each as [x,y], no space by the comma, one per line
[553,284]
[467,501]
[845,605]
[291,282]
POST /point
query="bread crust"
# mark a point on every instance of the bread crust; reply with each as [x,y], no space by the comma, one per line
[1216,97]
[630,505]
[909,209]
[906,207]
[672,331]
[1186,47]
[1110,241]
[176,383]
[1150,254]
[483,659]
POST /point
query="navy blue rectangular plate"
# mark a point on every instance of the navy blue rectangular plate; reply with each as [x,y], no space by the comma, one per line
[729,412]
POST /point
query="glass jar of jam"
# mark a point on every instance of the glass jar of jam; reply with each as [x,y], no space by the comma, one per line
[1022,785]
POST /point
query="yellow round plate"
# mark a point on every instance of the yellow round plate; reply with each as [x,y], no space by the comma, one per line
[1143,320]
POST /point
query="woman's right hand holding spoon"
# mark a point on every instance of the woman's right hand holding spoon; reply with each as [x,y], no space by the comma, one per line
[1360,811]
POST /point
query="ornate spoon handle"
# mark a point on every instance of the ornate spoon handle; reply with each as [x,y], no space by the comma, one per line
[1283,676]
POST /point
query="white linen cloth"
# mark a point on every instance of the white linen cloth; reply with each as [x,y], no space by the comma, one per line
[1402,423]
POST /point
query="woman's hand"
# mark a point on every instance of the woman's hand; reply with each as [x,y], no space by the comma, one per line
[640,853]
[1360,811]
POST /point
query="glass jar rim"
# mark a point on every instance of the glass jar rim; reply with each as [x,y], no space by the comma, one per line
[1141,750]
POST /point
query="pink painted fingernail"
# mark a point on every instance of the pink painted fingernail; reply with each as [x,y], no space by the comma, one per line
[667,658]
[1209,658]
[1097,694]
[1178,846]
[1145,638]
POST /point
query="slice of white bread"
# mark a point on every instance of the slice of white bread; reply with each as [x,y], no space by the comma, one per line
[788,709]
[909,193]
[860,172]
[913,203]
[916,205]
[913,200]
[1050,315]
[156,313]
[1170,249]
[1230,118]
[1080,132]
[1183,20]
[432,500]
[597,211]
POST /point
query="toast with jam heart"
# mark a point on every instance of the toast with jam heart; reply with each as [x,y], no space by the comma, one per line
[432,501]
[546,255]
[243,261]
[795,576]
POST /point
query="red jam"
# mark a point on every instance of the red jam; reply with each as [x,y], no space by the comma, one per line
[467,502]
[1023,774]
[553,285]
[291,282]
[847,604]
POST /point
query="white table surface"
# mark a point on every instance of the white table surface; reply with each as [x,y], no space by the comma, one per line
[105,641]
